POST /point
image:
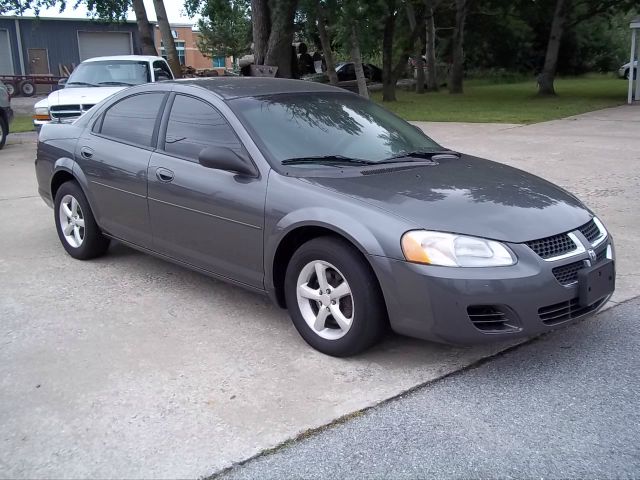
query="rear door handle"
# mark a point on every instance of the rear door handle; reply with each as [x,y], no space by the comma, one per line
[164,174]
[86,152]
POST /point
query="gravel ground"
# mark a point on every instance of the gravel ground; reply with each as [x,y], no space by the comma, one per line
[564,406]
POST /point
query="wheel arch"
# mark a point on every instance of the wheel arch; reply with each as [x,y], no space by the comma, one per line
[294,237]
[66,169]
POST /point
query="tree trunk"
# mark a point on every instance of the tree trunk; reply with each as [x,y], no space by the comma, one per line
[279,48]
[326,44]
[388,75]
[419,69]
[457,66]
[430,49]
[167,38]
[356,58]
[144,29]
[545,80]
[417,53]
[261,26]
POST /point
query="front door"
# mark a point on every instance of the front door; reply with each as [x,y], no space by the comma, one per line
[208,218]
[114,157]
[38,61]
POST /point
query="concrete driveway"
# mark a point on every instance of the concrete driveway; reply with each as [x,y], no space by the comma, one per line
[128,366]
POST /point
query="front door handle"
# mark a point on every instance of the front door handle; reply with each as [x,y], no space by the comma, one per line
[86,152]
[164,174]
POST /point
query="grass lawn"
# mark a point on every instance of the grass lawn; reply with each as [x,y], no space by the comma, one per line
[512,102]
[21,123]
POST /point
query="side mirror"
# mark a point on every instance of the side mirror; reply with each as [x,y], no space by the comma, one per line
[223,158]
[62,82]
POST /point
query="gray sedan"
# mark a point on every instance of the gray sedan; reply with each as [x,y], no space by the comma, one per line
[343,213]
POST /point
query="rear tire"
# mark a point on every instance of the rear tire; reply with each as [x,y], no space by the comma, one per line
[333,297]
[76,226]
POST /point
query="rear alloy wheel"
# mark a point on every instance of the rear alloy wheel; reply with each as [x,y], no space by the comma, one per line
[77,229]
[333,297]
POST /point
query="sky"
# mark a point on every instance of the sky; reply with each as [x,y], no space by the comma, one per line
[175,11]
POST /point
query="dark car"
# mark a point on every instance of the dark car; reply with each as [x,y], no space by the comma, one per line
[337,209]
[347,71]
[6,113]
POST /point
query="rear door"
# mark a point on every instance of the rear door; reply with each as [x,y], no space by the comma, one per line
[208,218]
[114,155]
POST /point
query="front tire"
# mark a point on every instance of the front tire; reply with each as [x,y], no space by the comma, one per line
[333,297]
[77,229]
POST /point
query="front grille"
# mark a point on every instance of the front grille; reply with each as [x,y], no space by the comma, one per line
[553,246]
[492,319]
[590,231]
[564,311]
[568,274]
[68,111]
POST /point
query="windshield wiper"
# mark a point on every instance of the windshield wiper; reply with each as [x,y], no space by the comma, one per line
[327,160]
[116,83]
[81,83]
[423,154]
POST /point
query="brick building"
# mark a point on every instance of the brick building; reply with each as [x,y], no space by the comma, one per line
[186,40]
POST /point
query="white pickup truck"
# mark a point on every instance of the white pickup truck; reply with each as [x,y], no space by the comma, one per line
[94,80]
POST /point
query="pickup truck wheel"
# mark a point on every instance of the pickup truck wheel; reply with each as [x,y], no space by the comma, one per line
[77,229]
[27,88]
[4,131]
[334,298]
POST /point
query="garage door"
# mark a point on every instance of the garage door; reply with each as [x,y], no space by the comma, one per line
[100,44]
[6,63]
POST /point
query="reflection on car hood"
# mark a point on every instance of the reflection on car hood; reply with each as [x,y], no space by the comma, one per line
[81,95]
[468,195]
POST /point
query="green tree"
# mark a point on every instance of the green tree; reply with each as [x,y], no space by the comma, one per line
[225,28]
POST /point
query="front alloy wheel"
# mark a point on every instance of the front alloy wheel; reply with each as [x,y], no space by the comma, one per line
[325,300]
[334,298]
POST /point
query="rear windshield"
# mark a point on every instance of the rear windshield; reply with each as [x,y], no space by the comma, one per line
[319,124]
[110,73]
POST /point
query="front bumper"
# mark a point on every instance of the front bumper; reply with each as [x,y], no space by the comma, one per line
[443,304]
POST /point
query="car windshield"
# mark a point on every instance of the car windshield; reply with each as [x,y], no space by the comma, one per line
[328,125]
[110,73]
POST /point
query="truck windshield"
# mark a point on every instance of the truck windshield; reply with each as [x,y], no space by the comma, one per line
[110,73]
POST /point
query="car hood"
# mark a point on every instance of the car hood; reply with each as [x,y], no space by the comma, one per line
[81,95]
[468,195]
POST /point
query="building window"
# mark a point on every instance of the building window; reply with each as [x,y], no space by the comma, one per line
[219,62]
[179,47]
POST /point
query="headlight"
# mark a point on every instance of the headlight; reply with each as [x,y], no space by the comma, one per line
[450,250]
[41,113]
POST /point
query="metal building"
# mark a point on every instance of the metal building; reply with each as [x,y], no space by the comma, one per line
[39,45]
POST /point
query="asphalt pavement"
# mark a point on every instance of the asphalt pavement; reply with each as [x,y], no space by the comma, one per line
[563,406]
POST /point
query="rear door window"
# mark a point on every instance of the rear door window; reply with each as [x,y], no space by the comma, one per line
[133,119]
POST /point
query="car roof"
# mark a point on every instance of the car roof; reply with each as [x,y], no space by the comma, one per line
[133,58]
[237,87]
